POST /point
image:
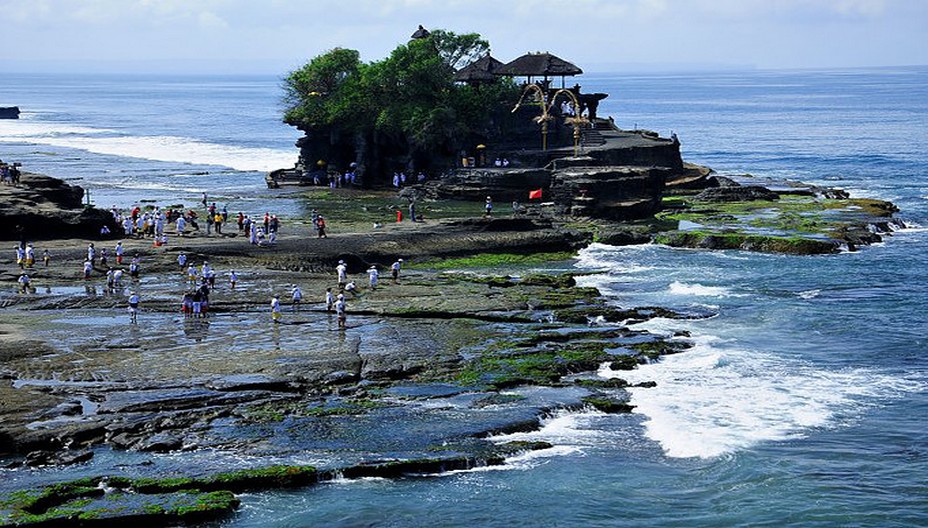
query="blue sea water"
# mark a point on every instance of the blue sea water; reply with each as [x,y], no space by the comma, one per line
[802,403]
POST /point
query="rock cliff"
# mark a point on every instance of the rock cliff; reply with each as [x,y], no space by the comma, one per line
[42,207]
[621,178]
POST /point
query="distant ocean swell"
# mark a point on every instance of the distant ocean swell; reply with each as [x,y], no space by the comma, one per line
[158,148]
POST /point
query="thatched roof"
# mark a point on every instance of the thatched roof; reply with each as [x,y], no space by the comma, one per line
[420,33]
[538,65]
[482,69]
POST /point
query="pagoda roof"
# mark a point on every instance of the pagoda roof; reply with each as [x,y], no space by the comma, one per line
[482,69]
[538,65]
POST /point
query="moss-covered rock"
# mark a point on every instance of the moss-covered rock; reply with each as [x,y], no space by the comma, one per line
[608,405]
[746,242]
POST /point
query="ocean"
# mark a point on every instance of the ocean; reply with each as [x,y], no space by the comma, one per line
[802,403]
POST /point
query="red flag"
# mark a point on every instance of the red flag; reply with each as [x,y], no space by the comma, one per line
[533,195]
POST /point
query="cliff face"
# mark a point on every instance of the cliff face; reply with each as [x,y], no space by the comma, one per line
[42,207]
[621,178]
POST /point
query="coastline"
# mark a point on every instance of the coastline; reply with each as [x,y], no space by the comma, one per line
[402,348]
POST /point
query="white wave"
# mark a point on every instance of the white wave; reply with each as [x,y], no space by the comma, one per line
[158,148]
[681,288]
[17,130]
[714,400]
[810,294]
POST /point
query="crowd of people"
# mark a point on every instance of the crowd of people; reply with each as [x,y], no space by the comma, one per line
[9,173]
[154,223]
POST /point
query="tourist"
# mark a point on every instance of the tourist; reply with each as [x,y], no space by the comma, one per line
[135,266]
[320,225]
[109,280]
[412,211]
[489,206]
[329,300]
[197,303]
[341,271]
[88,268]
[233,279]
[118,250]
[30,256]
[46,257]
[186,304]
[204,298]
[91,253]
[373,275]
[133,307]
[352,288]
[241,222]
[20,257]
[104,258]
[275,309]
[181,225]
[117,278]
[341,311]
[181,260]
[24,283]
[395,269]
[296,297]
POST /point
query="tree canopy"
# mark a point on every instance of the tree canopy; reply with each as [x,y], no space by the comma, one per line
[409,98]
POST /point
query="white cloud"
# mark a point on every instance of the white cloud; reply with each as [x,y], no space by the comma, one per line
[769,33]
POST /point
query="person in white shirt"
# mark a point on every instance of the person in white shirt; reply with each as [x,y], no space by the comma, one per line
[297,297]
[134,307]
[275,309]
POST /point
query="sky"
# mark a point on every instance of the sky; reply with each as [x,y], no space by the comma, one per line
[276,36]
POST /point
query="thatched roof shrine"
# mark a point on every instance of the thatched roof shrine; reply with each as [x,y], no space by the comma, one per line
[481,70]
[538,65]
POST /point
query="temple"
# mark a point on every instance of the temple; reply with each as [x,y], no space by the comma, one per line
[550,138]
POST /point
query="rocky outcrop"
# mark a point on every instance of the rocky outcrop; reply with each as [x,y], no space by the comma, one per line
[42,207]
[9,112]
[623,178]
[609,192]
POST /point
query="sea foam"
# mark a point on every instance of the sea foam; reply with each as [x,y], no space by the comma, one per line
[716,399]
[158,148]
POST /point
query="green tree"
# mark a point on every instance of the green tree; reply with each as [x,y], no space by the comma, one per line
[406,103]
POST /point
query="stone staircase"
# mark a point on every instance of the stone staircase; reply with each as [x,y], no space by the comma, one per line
[591,137]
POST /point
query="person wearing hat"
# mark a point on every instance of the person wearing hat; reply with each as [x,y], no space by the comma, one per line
[275,309]
[342,271]
[395,269]
[30,255]
[340,310]
[489,206]
[133,307]
[374,276]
